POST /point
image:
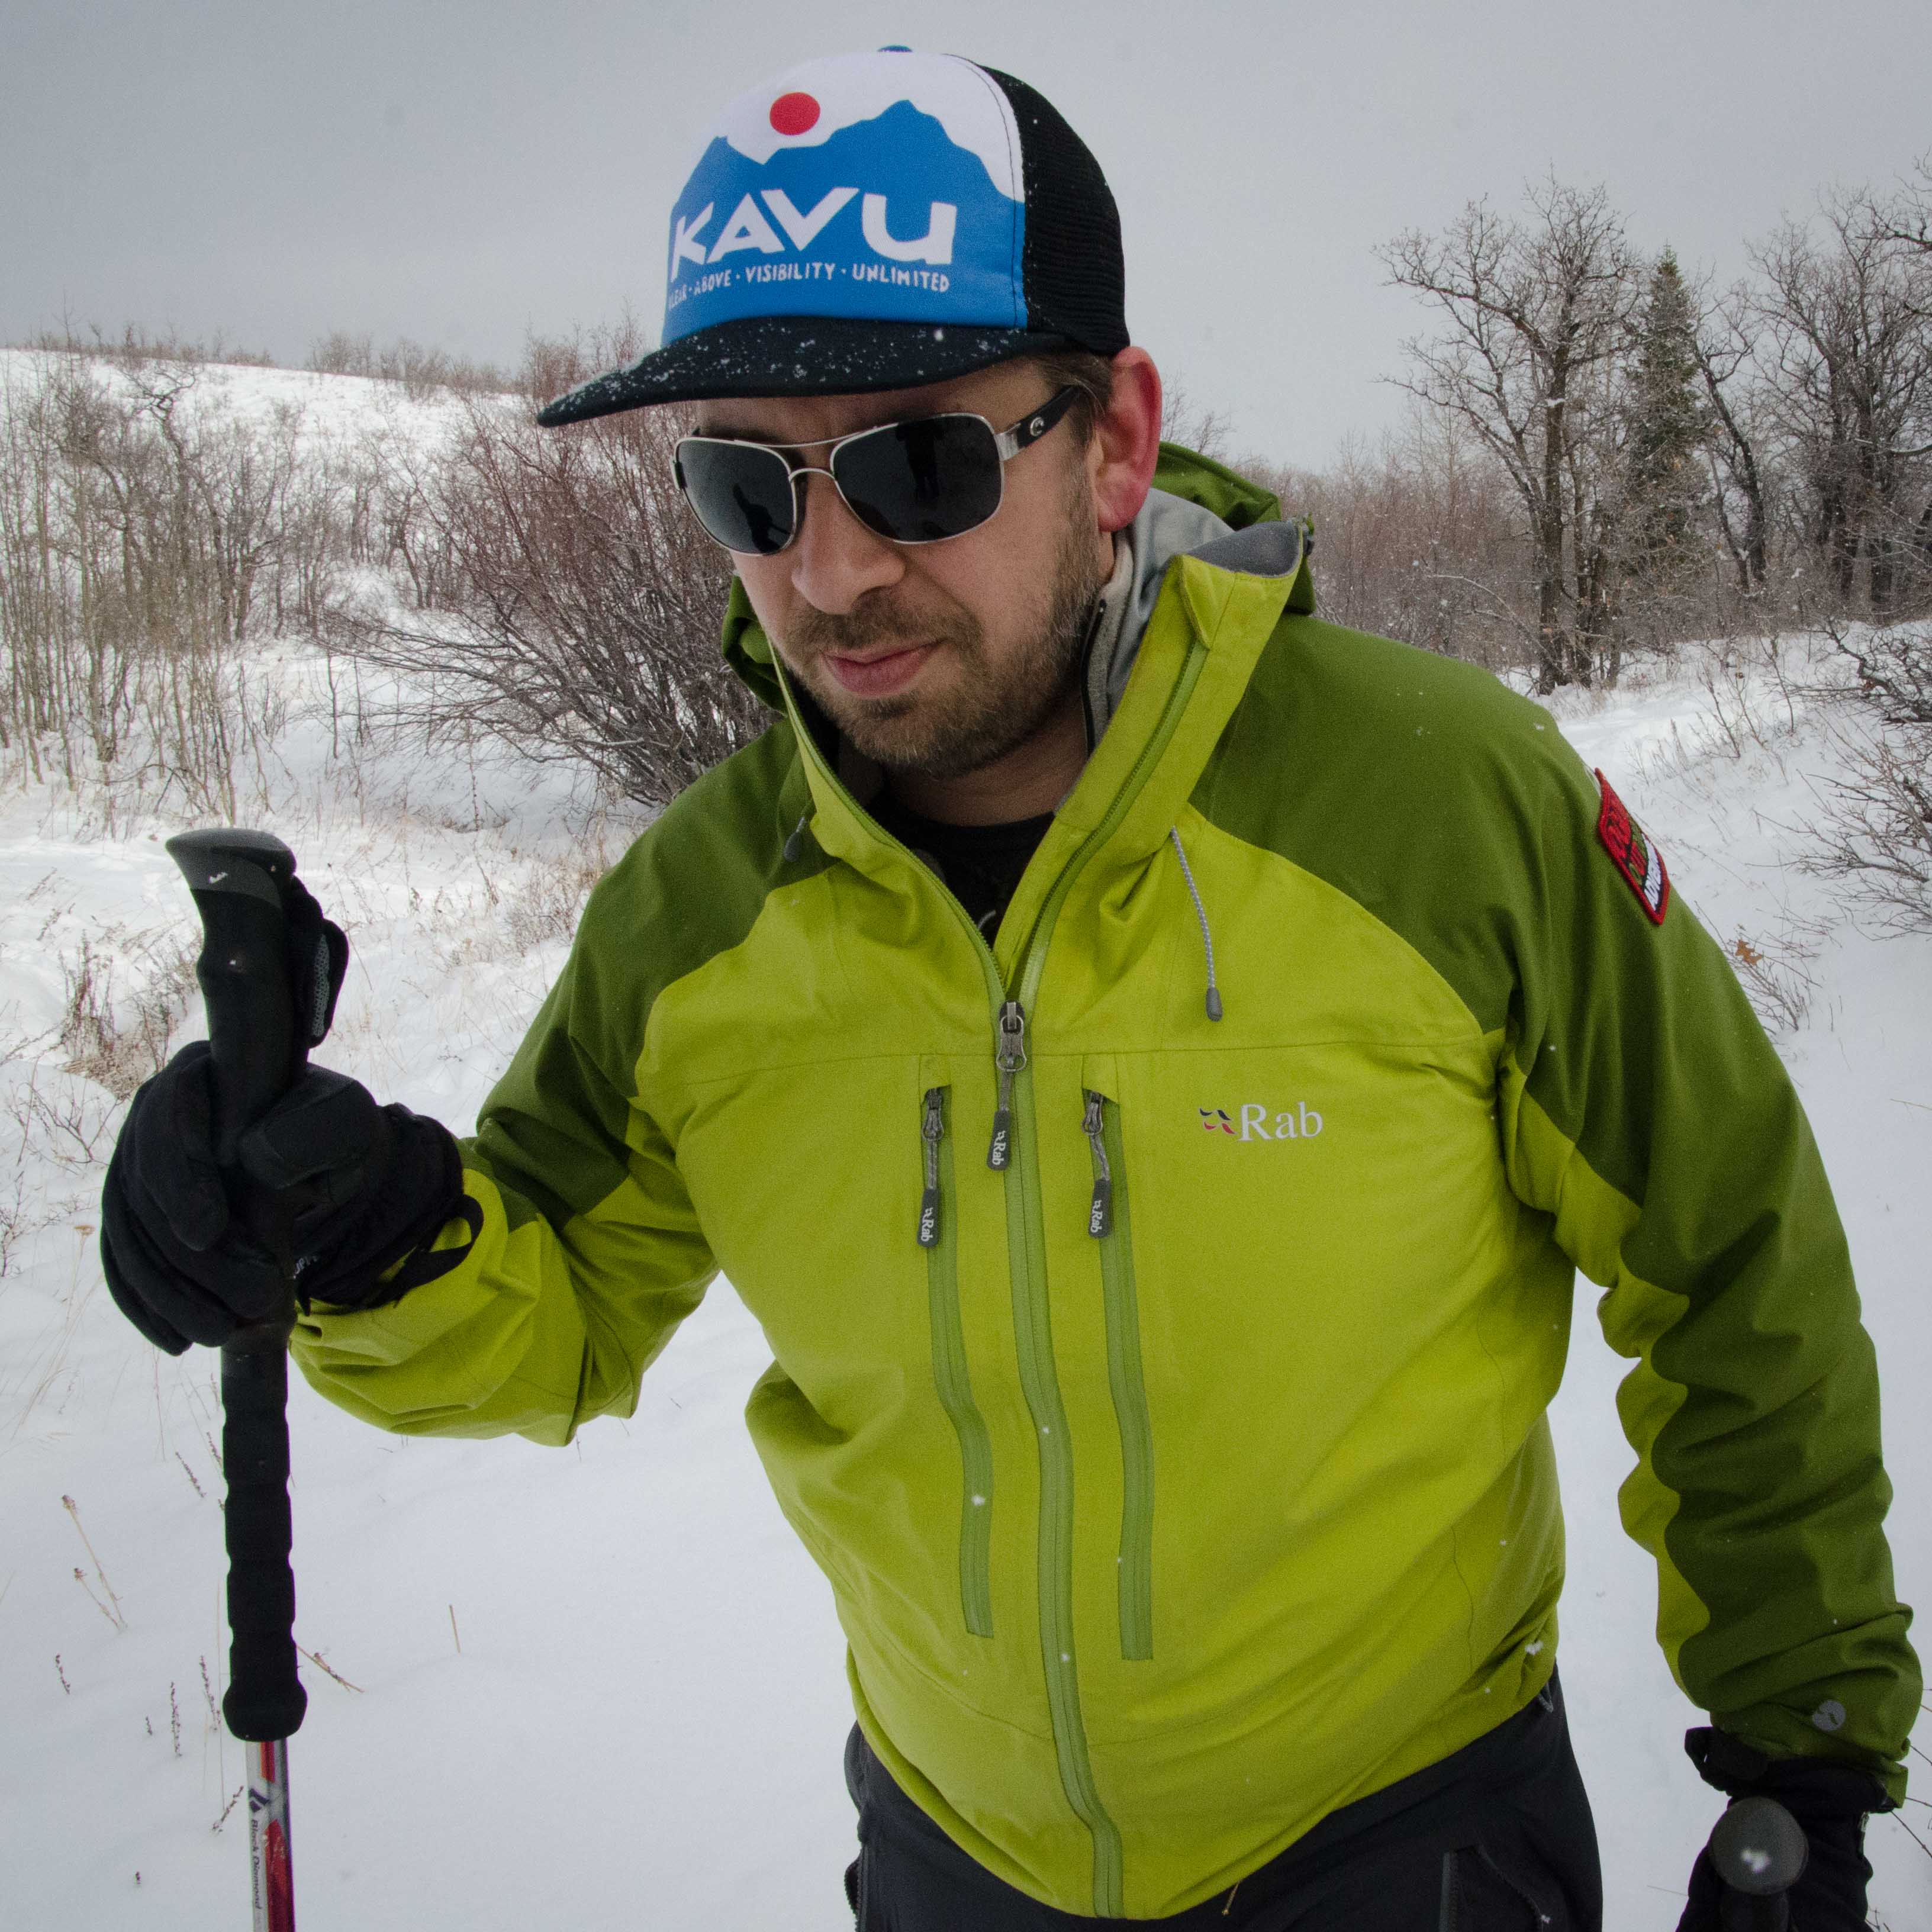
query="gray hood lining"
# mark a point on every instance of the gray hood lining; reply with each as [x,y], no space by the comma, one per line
[1167,527]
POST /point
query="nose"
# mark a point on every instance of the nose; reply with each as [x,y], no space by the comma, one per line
[835,560]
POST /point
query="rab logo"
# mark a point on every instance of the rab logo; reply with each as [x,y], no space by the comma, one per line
[1256,1124]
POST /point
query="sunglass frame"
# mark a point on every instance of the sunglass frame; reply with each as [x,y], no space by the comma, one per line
[1007,444]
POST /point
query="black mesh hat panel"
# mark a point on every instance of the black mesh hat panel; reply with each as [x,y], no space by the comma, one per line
[1074,272]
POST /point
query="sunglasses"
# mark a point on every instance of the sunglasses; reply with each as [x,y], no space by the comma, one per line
[916,482]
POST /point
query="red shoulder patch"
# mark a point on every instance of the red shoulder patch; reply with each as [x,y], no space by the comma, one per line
[1636,858]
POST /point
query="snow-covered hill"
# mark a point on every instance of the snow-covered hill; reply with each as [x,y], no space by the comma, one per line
[603,1686]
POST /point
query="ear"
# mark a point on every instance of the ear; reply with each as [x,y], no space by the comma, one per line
[1126,441]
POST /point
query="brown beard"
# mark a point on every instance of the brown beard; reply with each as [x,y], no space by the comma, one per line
[992,710]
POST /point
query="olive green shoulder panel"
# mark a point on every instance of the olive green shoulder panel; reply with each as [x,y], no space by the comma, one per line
[691,887]
[1199,479]
[1417,784]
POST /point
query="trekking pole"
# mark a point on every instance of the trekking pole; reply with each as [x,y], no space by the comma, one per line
[1760,1851]
[236,877]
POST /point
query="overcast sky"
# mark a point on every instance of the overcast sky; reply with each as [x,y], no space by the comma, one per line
[466,174]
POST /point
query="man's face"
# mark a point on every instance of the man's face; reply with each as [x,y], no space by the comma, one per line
[934,659]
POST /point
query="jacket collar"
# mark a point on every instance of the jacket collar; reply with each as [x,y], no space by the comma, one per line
[1213,567]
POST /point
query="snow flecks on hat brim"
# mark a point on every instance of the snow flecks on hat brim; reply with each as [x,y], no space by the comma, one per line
[796,355]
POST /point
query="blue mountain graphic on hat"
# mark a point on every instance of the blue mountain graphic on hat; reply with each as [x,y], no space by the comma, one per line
[886,219]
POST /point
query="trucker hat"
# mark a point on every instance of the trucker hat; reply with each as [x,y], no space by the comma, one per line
[875,221]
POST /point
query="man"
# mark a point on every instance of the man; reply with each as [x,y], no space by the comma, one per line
[1152,1062]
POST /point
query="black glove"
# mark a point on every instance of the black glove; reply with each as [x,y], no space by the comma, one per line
[357,1187]
[318,958]
[1829,1800]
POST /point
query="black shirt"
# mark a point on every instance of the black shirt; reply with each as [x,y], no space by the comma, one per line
[980,865]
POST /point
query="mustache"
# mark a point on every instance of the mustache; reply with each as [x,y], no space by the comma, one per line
[871,624]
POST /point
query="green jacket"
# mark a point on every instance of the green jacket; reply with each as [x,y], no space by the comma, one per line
[1187,1476]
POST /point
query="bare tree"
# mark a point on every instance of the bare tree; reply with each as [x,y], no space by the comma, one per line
[1196,426]
[1726,345]
[1846,342]
[1906,220]
[1538,313]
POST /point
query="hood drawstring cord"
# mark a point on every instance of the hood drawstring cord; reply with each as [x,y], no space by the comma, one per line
[1201,913]
[795,844]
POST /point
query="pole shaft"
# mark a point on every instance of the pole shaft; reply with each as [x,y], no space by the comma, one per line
[271,1869]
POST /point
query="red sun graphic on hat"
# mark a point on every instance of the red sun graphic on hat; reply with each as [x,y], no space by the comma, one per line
[794,114]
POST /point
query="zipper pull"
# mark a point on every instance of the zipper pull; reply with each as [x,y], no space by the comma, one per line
[1100,1215]
[930,1133]
[1009,1057]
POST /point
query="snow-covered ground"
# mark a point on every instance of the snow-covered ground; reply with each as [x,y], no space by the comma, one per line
[603,1687]
[335,408]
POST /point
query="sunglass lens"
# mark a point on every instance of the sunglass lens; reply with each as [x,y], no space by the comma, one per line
[741,492]
[919,482]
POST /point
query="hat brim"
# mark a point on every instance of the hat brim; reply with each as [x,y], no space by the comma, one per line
[796,355]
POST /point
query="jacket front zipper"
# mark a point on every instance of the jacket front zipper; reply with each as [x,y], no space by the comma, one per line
[937,1237]
[1009,1058]
[1026,1249]
[1107,1223]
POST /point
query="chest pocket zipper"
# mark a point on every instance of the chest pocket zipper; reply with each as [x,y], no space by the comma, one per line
[938,1235]
[1108,1223]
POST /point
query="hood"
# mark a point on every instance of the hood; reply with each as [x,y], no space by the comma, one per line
[1194,503]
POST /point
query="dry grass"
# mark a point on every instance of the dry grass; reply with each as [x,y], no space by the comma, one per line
[1775,971]
[119,1044]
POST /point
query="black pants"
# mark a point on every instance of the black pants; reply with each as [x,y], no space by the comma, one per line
[1497,1837]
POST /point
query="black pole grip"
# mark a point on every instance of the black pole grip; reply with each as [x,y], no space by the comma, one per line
[237,877]
[265,1699]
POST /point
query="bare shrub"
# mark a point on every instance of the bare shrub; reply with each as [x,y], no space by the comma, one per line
[62,1118]
[1734,720]
[19,1216]
[339,353]
[1894,668]
[574,602]
[1875,830]
[119,1045]
[1775,971]
[1415,538]
[134,345]
[147,531]
[546,910]
[421,370]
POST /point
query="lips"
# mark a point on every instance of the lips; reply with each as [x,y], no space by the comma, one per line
[878,676]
